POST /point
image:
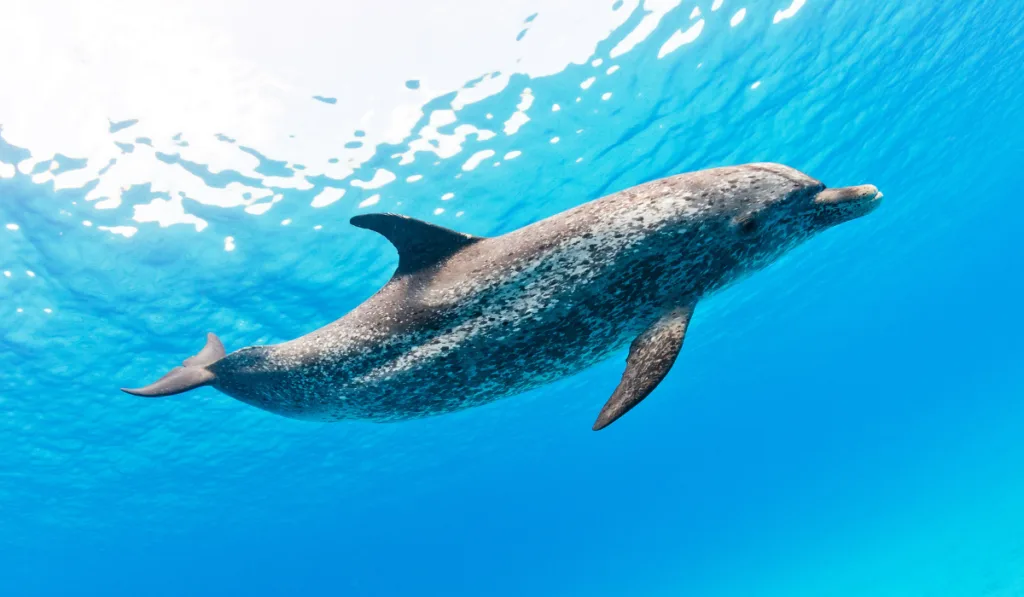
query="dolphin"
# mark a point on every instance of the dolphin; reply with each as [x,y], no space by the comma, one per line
[466,320]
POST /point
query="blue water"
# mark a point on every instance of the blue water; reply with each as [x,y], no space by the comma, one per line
[848,422]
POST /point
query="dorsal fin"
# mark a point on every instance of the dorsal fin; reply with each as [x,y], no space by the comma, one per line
[420,244]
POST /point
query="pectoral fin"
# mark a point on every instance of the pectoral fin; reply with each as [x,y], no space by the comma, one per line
[650,357]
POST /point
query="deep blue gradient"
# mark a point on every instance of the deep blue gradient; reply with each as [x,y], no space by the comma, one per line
[848,422]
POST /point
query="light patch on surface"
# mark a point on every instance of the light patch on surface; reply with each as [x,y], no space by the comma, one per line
[447,196]
[7,274]
[199,84]
[681,38]
[738,17]
[555,107]
[606,96]
[475,159]
[519,117]
[125,231]
[12,226]
[286,221]
[587,83]
[612,69]
[490,85]
[512,155]
[441,145]
[596,63]
[438,211]
[555,140]
[326,197]
[30,273]
[646,26]
[380,178]
[790,12]
[695,13]
[48,310]
[167,212]
[716,5]
[86,223]
[414,178]
[258,209]
[755,85]
[372,200]
[229,243]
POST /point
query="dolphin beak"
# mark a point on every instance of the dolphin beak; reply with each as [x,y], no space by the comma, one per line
[865,193]
[835,206]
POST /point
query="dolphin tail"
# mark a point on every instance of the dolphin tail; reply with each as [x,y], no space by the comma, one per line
[192,374]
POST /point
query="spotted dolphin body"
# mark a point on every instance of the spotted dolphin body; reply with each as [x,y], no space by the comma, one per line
[467,320]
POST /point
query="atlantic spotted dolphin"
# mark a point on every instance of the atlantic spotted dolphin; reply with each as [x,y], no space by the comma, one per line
[466,320]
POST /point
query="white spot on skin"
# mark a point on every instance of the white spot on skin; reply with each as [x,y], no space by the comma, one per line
[555,140]
[716,5]
[512,155]
[447,196]
[30,273]
[755,85]
[438,211]
[286,221]
[738,17]
[229,243]
[587,83]
[12,226]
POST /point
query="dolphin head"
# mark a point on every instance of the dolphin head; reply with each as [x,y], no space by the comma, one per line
[767,209]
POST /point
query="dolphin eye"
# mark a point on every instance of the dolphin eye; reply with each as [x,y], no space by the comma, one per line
[747,225]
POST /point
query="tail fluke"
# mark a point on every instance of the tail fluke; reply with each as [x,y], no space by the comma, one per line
[192,375]
[210,354]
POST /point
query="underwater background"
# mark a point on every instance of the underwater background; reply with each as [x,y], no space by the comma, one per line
[848,422]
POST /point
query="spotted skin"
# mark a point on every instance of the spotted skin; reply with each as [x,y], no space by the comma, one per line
[506,314]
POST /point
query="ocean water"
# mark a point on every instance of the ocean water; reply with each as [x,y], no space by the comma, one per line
[849,421]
